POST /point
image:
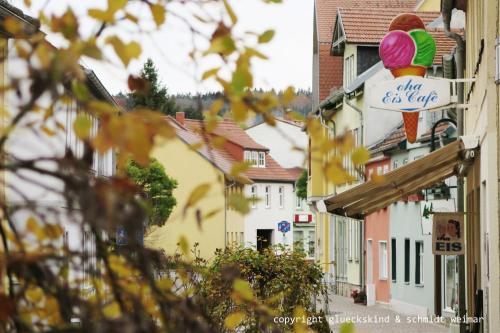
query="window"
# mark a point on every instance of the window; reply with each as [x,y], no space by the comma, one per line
[356,240]
[281,192]
[311,244]
[247,155]
[255,157]
[262,159]
[298,240]
[242,241]
[370,174]
[349,235]
[382,245]
[298,202]
[395,165]
[450,302]
[379,170]
[405,161]
[407,260]
[393,259]
[268,196]
[419,263]
[349,69]
[386,168]
[254,196]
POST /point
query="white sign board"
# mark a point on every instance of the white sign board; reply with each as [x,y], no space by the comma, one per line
[410,94]
[427,208]
[448,234]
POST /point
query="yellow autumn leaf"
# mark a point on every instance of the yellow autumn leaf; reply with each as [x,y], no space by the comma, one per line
[288,95]
[233,320]
[239,203]
[101,15]
[82,126]
[116,5]
[230,12]
[184,245]
[48,131]
[242,290]
[112,310]
[197,194]
[126,52]
[209,73]
[360,156]
[158,12]
[266,36]
[34,228]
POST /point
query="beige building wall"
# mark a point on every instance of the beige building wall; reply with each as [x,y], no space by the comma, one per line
[482,120]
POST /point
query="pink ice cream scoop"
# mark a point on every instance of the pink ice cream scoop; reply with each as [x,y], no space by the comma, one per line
[397,49]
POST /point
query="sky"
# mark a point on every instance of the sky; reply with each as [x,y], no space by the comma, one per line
[290,52]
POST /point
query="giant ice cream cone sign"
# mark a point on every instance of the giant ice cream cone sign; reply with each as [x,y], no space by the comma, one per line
[407,50]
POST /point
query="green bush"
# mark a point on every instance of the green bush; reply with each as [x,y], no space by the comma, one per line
[282,282]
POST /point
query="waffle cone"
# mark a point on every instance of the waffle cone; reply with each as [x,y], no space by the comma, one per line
[410,70]
[410,119]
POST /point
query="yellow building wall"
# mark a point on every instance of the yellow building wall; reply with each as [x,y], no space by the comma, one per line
[429,6]
[190,169]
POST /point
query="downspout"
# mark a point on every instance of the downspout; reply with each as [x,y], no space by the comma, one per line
[446,11]
[362,233]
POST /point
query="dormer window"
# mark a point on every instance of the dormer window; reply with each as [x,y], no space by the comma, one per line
[262,159]
[255,158]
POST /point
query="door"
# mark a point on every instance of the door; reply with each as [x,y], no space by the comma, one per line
[264,238]
[369,262]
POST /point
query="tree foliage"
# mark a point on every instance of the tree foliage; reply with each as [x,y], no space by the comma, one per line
[51,280]
[149,92]
[157,188]
[302,185]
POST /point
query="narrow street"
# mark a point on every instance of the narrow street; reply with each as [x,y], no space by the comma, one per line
[383,320]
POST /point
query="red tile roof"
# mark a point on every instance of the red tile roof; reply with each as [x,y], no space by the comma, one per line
[296,171]
[398,135]
[223,159]
[331,67]
[391,140]
[369,27]
[362,26]
[229,130]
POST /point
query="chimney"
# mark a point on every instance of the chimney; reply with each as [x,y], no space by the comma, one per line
[180,117]
[287,114]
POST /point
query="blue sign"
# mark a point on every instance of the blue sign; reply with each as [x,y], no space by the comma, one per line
[284,226]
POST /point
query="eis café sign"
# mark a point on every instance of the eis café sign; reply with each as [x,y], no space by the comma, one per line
[411,94]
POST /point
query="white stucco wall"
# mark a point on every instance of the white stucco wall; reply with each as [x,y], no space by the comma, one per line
[287,143]
[262,217]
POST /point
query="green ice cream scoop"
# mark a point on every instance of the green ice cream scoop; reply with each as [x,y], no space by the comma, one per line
[425,48]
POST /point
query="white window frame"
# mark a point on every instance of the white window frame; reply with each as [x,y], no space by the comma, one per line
[281,196]
[298,201]
[268,196]
[253,194]
[420,248]
[255,157]
[382,257]
[247,156]
[395,165]
[262,159]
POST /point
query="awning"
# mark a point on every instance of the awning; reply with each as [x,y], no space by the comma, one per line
[372,196]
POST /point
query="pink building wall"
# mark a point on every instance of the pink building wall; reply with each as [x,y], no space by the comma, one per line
[376,230]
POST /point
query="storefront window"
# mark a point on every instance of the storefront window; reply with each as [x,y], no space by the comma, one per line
[312,235]
[298,239]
